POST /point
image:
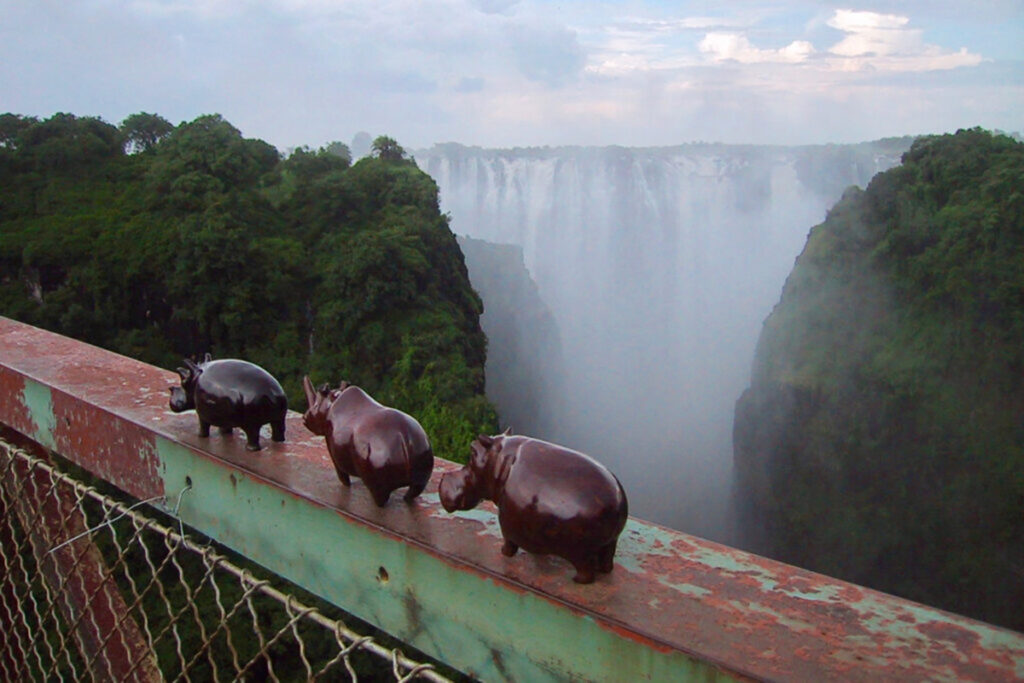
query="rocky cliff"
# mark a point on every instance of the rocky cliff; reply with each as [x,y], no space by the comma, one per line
[524,348]
[881,439]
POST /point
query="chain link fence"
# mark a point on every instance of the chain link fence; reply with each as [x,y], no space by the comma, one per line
[91,588]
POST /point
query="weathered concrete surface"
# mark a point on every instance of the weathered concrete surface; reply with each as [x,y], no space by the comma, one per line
[675,607]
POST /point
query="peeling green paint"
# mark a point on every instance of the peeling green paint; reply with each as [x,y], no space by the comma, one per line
[39,402]
[426,601]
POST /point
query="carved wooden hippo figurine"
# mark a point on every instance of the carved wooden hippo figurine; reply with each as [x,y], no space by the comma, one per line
[383,446]
[551,500]
[231,393]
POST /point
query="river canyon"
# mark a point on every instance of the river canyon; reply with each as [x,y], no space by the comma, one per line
[656,267]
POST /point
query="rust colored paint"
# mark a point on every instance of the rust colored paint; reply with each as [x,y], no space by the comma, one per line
[13,411]
[84,386]
[120,451]
[745,616]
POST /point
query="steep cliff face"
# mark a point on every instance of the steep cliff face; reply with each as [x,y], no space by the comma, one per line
[882,437]
[658,266]
[524,348]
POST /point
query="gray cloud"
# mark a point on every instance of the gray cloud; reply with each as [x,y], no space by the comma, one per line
[470,85]
[501,73]
[548,55]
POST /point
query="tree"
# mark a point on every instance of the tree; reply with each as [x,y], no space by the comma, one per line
[212,242]
[205,158]
[66,143]
[11,126]
[387,149]
[143,131]
[340,150]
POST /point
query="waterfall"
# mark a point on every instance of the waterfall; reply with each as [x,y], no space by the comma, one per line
[659,266]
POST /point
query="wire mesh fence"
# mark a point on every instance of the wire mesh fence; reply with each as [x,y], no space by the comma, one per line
[93,588]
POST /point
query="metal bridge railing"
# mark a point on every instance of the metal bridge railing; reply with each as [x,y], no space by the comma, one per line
[93,588]
[90,588]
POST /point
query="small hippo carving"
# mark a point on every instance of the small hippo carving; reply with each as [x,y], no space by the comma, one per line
[231,393]
[551,500]
[383,446]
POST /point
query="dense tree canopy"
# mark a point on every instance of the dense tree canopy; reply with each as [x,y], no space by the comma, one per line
[208,241]
[882,438]
[387,149]
[142,131]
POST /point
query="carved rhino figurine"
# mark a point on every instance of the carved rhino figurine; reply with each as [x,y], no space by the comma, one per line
[231,393]
[551,500]
[383,446]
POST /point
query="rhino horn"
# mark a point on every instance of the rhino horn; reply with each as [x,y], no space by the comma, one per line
[307,387]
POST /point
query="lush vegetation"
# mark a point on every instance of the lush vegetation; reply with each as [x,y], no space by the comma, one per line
[882,438]
[162,241]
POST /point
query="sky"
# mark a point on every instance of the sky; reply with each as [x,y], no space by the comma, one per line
[501,73]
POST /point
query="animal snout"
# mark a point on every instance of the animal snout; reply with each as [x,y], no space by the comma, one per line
[452,491]
[179,401]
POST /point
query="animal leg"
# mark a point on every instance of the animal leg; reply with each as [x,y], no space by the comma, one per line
[508,548]
[419,476]
[277,430]
[380,496]
[342,474]
[606,557]
[584,570]
[252,442]
[204,428]
[415,490]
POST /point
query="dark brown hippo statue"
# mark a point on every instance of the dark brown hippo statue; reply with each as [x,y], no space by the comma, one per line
[231,393]
[551,500]
[383,446]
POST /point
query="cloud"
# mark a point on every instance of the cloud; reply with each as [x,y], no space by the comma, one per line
[470,85]
[737,47]
[498,72]
[634,44]
[495,6]
[547,55]
[873,42]
[672,25]
[884,42]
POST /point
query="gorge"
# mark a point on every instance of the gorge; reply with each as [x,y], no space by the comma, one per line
[658,267]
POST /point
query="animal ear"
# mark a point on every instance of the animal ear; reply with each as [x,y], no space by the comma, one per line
[207,358]
[508,431]
[485,441]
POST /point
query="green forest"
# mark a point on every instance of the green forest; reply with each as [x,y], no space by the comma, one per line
[882,437]
[162,242]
